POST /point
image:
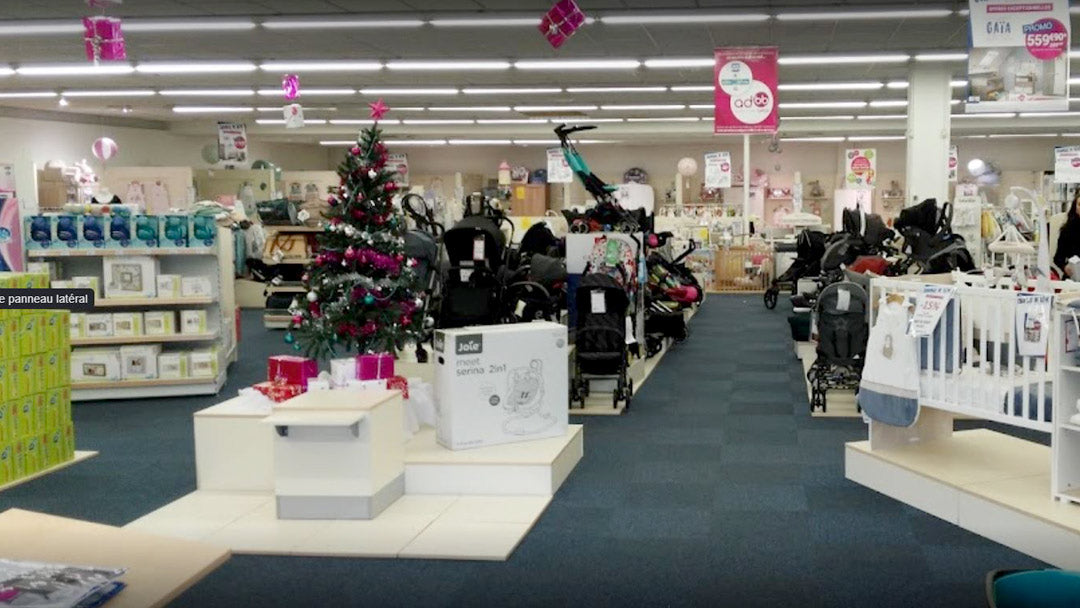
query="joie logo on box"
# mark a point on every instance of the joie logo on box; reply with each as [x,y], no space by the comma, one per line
[472,344]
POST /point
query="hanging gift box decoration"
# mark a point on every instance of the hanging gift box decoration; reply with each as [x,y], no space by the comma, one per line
[560,23]
[103,39]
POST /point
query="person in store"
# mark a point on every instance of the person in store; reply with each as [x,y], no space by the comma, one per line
[1067,255]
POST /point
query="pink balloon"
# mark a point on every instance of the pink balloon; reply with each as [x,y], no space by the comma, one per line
[290,85]
[104,148]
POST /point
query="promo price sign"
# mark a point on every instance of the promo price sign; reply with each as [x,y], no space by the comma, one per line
[929,308]
[1019,57]
[861,168]
[558,170]
[954,162]
[718,170]
[1067,165]
[745,80]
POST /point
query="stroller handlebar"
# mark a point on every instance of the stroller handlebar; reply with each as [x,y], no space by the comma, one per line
[563,131]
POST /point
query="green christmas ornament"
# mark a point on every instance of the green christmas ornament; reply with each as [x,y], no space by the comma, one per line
[369,299]
[289,338]
[296,347]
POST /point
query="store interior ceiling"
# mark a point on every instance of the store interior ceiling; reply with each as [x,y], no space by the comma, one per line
[468,71]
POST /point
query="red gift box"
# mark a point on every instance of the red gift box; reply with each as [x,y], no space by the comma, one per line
[103,38]
[374,367]
[279,391]
[291,369]
[399,383]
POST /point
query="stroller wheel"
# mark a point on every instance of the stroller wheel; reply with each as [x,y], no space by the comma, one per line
[771,295]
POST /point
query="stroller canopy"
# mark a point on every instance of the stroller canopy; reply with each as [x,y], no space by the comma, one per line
[547,270]
[810,245]
[538,239]
[924,216]
[460,240]
[869,226]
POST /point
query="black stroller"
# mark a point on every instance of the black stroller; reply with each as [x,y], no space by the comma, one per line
[477,254]
[600,350]
[536,290]
[842,333]
[809,248]
[422,245]
[929,242]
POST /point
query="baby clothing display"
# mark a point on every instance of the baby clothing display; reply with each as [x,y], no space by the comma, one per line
[157,198]
[135,195]
[889,390]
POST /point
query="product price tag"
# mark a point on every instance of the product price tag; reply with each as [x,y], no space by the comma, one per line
[597,303]
[478,249]
[929,308]
[1032,323]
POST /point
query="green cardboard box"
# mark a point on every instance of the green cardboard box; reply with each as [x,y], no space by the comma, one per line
[69,442]
[32,454]
[28,333]
[7,462]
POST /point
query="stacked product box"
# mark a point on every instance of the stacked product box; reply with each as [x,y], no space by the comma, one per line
[35,387]
[122,228]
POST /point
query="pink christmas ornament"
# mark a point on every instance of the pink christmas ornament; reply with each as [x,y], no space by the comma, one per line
[104,148]
[560,23]
[290,86]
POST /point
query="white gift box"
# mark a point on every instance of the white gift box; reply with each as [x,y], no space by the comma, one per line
[173,365]
[193,321]
[130,276]
[159,322]
[98,325]
[342,371]
[95,365]
[196,287]
[168,285]
[127,324]
[140,362]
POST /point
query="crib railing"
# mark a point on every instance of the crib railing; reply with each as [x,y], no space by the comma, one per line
[969,364]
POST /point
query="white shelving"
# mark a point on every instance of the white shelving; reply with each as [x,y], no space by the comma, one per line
[214,263]
[276,318]
[1065,441]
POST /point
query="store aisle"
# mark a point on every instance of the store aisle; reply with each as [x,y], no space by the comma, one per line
[717,489]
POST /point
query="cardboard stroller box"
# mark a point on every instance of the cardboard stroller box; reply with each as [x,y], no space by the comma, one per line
[501,384]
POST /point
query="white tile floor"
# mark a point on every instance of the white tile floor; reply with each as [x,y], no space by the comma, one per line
[429,527]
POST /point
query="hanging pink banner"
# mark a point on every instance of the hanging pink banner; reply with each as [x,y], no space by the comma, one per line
[745,79]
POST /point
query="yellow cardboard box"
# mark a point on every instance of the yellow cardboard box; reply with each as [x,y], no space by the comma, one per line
[54,409]
[32,454]
[24,416]
[69,442]
[9,326]
[7,462]
[51,369]
[54,447]
[41,413]
[18,463]
[28,332]
[9,371]
[65,405]
[64,375]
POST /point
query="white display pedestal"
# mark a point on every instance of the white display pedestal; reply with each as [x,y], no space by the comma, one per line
[338,454]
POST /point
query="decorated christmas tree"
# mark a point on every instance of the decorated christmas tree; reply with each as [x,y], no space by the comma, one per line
[361,290]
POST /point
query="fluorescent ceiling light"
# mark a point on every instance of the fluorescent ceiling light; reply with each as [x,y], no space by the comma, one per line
[309,92]
[616,89]
[202,67]
[898,84]
[376,91]
[337,142]
[847,59]
[685,62]
[75,69]
[642,107]
[338,24]
[363,121]
[813,139]
[187,26]
[487,22]
[872,85]
[306,108]
[836,117]
[27,94]
[480,142]
[38,28]
[958,56]
[692,88]
[986,115]
[447,65]
[956,84]
[586,108]
[511,90]
[972,137]
[667,119]
[212,109]
[822,105]
[208,92]
[1073,81]
[1015,135]
[683,18]
[1070,134]
[278,121]
[1047,114]
[512,121]
[438,121]
[889,103]
[883,117]
[584,119]
[112,93]
[6,70]
[702,106]
[469,108]
[927,13]
[955,102]
[578,64]
[536,142]
[410,109]
[876,138]
[320,66]
[415,142]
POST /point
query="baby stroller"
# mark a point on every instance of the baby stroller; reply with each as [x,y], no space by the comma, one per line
[477,253]
[929,242]
[842,333]
[536,290]
[600,338]
[607,216]
[422,245]
[809,248]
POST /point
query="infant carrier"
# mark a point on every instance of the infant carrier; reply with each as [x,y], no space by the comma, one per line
[476,251]
[809,248]
[600,338]
[929,242]
[842,333]
[536,290]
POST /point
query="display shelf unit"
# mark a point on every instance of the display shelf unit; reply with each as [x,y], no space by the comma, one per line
[214,263]
[286,288]
[1065,440]
[96,253]
[273,321]
[275,318]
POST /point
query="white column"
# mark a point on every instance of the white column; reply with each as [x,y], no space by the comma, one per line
[746,186]
[928,132]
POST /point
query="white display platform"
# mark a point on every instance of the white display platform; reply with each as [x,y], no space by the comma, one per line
[992,484]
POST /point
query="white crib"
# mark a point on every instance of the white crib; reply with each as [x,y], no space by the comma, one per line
[970,364]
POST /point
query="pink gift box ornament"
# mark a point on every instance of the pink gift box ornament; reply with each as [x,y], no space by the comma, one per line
[561,22]
[291,369]
[374,367]
[103,39]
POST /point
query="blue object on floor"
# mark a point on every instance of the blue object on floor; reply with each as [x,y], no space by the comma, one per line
[1033,589]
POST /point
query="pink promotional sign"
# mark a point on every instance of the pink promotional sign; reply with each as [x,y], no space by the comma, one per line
[745,79]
